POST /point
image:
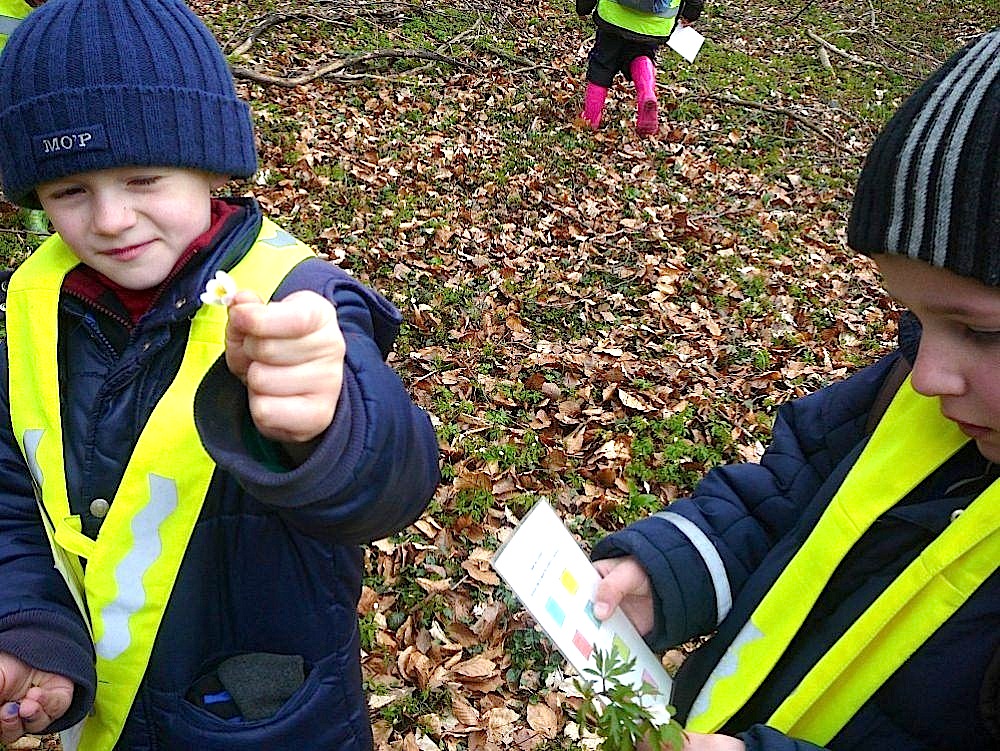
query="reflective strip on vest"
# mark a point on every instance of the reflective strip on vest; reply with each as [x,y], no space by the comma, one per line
[656,25]
[12,12]
[7,26]
[133,564]
[927,593]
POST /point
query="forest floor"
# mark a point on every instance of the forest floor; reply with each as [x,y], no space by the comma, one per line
[591,318]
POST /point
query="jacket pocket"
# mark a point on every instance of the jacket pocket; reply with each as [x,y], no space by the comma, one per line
[318,715]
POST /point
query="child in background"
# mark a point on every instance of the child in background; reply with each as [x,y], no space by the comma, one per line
[205,473]
[628,34]
[851,577]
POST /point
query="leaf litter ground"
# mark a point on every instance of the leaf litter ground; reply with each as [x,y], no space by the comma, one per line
[590,317]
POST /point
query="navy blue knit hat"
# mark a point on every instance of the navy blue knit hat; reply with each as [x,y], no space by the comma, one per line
[97,84]
[930,188]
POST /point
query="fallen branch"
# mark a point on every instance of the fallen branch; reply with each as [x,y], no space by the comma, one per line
[910,50]
[801,119]
[23,232]
[331,69]
[507,55]
[855,58]
[530,68]
[272,21]
[805,7]
[843,53]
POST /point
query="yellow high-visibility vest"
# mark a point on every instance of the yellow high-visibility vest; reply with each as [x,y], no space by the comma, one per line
[133,564]
[12,12]
[911,441]
[657,25]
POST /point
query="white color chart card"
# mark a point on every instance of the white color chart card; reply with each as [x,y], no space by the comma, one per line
[685,41]
[556,581]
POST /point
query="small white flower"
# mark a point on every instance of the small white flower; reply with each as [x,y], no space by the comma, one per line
[220,290]
[658,714]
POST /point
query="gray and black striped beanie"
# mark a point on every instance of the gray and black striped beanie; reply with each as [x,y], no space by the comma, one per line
[930,187]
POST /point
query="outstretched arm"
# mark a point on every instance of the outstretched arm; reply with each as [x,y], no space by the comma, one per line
[699,552]
[373,468]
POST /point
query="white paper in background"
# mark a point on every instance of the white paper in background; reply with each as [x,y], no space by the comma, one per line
[685,41]
[556,581]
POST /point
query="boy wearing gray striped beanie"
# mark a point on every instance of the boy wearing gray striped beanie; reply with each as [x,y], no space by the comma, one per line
[851,576]
[927,209]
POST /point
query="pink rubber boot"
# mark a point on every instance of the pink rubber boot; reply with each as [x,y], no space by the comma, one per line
[644,78]
[593,104]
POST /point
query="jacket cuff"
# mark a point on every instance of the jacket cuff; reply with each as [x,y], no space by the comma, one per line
[264,468]
[677,575]
[55,643]
[763,738]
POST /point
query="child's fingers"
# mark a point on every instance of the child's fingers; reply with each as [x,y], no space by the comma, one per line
[294,403]
[10,722]
[291,419]
[236,357]
[33,715]
[622,577]
[611,588]
[301,379]
[299,314]
[44,704]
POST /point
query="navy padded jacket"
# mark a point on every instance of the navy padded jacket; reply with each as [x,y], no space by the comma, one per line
[757,515]
[274,564]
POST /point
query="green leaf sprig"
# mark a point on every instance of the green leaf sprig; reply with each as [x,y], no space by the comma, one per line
[622,715]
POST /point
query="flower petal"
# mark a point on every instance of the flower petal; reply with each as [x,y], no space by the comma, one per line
[221,290]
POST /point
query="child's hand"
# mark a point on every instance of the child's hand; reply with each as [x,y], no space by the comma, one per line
[290,355]
[625,584]
[702,742]
[712,742]
[30,700]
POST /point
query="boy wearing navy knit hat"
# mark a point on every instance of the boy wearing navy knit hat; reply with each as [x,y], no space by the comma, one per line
[201,425]
[851,577]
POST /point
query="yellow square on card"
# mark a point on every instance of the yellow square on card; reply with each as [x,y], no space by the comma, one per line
[569,582]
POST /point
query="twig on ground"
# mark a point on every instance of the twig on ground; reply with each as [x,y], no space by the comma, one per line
[843,53]
[854,58]
[331,69]
[271,21]
[530,68]
[910,50]
[801,119]
[804,8]
[507,55]
[23,232]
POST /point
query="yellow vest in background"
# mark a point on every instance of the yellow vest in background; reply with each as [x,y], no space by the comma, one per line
[133,564]
[11,13]
[639,21]
[911,441]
